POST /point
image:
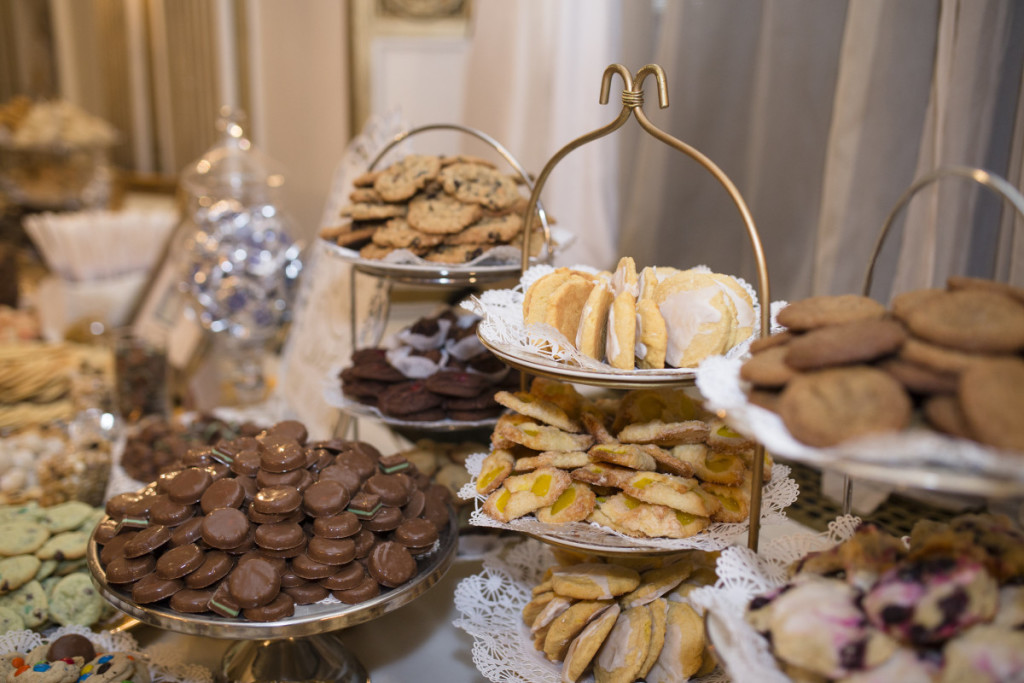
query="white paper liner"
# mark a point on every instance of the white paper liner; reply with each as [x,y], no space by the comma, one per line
[165,663]
[742,574]
[502,326]
[491,603]
[422,342]
[414,367]
[922,455]
[777,495]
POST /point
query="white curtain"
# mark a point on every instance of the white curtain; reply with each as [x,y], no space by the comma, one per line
[821,112]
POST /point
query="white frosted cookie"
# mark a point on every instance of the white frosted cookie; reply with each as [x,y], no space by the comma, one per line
[587,643]
[539,292]
[683,653]
[591,335]
[651,331]
[699,315]
[620,344]
[743,304]
[625,649]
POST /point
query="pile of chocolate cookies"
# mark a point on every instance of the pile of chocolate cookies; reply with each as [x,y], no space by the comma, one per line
[444,209]
[436,370]
[847,367]
[254,526]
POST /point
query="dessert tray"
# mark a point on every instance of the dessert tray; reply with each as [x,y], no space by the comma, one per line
[325,616]
[165,665]
[778,494]
[544,351]
[498,263]
[918,457]
[742,574]
[335,398]
[491,604]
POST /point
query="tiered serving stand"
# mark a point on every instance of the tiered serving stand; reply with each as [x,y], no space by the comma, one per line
[303,647]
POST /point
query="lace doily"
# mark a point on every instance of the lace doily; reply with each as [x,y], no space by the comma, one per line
[504,329]
[920,457]
[777,495]
[491,603]
[164,663]
[742,574]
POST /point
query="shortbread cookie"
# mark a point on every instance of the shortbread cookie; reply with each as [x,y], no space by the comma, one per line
[664,433]
[651,330]
[744,305]
[494,469]
[633,456]
[397,233]
[478,184]
[647,405]
[441,214]
[861,341]
[768,368]
[818,311]
[724,439]
[594,581]
[636,518]
[678,493]
[583,648]
[522,494]
[573,505]
[541,409]
[625,649]
[602,474]
[537,294]
[828,407]
[564,460]
[711,466]
[592,333]
[620,337]
[539,437]
[734,501]
[404,178]
[973,320]
[700,318]
[567,625]
[992,399]
[683,654]
[564,308]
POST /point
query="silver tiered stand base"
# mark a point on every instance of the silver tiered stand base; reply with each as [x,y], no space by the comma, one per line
[303,647]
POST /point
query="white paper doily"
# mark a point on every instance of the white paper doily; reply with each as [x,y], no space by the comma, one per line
[504,330]
[777,495]
[742,574]
[164,663]
[491,605]
[916,457]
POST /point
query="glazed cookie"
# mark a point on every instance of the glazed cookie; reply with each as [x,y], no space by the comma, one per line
[403,179]
[620,337]
[592,332]
[651,330]
[624,651]
[744,305]
[861,341]
[699,315]
[683,653]
[818,311]
[441,214]
[538,408]
[563,307]
[593,581]
[828,407]
[973,320]
[478,184]
[583,648]
[398,234]
[567,625]
[75,601]
[992,402]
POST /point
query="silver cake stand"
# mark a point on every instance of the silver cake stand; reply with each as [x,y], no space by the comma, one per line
[303,647]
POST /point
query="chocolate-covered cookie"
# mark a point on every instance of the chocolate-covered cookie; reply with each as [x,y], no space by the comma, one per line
[254,583]
[386,519]
[151,588]
[147,540]
[390,564]
[179,561]
[69,646]
[306,593]
[393,489]
[457,384]
[216,565]
[281,607]
[123,570]
[325,498]
[280,536]
[348,576]
[189,531]
[277,500]
[224,493]
[405,398]
[191,601]
[417,535]
[342,525]
[364,590]
[169,512]
[331,551]
[282,457]
[225,529]
[188,485]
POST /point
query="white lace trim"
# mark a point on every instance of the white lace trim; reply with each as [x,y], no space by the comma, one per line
[164,663]
[778,494]
[743,575]
[490,604]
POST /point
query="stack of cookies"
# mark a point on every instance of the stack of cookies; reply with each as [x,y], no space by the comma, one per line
[437,369]
[847,367]
[254,526]
[44,580]
[661,317]
[623,622]
[652,464]
[945,607]
[443,209]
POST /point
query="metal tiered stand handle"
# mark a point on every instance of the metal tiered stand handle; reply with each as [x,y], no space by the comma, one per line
[997,184]
[632,104]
